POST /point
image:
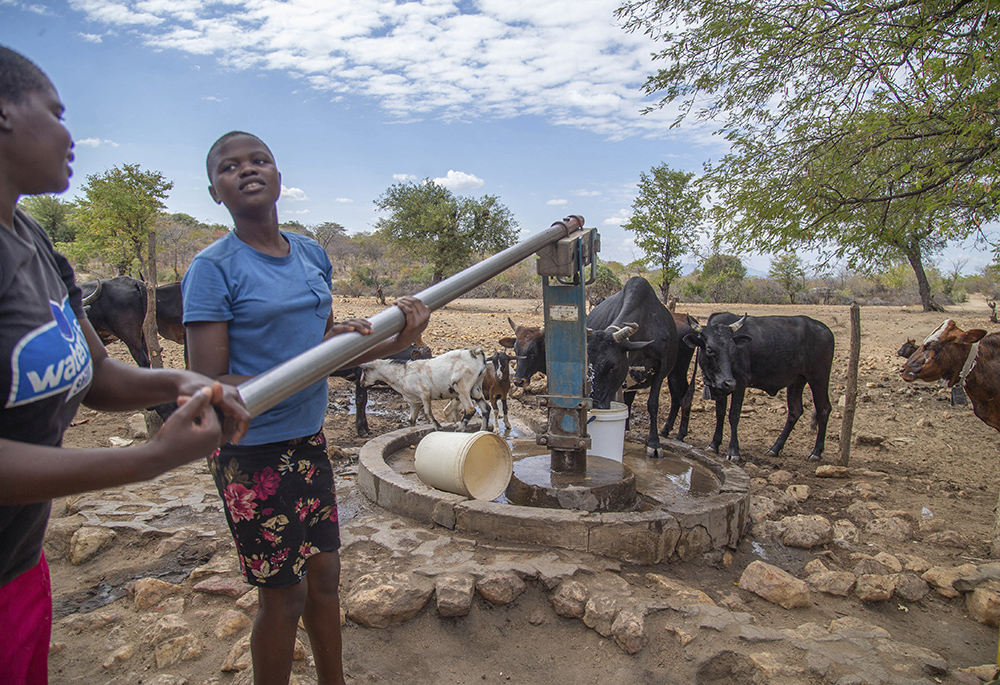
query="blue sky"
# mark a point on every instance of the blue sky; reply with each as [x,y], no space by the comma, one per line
[537,103]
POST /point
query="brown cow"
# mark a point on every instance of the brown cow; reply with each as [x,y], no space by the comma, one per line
[528,345]
[964,358]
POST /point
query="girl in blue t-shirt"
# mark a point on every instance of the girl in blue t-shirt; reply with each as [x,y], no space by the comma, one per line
[253,299]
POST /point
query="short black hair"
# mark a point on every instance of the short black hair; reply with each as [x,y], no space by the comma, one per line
[19,76]
[225,138]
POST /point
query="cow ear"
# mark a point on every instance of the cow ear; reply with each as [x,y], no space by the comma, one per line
[694,340]
[973,335]
[507,342]
[742,340]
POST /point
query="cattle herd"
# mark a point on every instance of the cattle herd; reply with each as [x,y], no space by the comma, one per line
[634,343]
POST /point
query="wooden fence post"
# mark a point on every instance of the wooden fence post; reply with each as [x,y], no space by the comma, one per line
[852,385]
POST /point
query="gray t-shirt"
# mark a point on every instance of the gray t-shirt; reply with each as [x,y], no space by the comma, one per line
[45,369]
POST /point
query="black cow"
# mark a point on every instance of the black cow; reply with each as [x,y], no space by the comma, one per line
[681,389]
[353,374]
[116,308]
[768,353]
[631,328]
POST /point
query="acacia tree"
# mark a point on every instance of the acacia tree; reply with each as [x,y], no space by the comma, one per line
[119,211]
[788,271]
[53,214]
[666,220]
[447,231]
[837,114]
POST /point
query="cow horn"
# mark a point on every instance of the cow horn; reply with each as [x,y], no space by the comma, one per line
[739,324]
[693,324]
[623,333]
[93,296]
[511,322]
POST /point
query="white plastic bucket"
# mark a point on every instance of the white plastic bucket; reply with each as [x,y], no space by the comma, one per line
[476,465]
[607,431]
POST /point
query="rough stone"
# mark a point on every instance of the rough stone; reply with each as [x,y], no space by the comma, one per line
[220,564]
[874,588]
[629,630]
[948,538]
[600,612]
[942,578]
[799,492]
[570,599]
[983,603]
[501,588]
[166,627]
[58,534]
[806,532]
[890,562]
[910,586]
[845,532]
[379,600]
[762,508]
[837,583]
[679,594]
[774,585]
[135,427]
[781,478]
[239,657]
[151,591]
[227,587]
[869,566]
[95,620]
[832,471]
[231,623]
[181,648]
[891,528]
[453,593]
[88,541]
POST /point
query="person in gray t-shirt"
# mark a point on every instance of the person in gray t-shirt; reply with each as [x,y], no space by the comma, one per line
[51,361]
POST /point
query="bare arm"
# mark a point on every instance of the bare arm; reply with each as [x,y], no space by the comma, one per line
[119,387]
[36,473]
[417,316]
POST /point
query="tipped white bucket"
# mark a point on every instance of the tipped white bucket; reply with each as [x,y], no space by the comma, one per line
[607,431]
[476,465]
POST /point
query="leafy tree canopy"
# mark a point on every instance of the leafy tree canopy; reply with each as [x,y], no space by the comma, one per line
[119,211]
[53,214]
[787,269]
[666,220]
[445,230]
[836,112]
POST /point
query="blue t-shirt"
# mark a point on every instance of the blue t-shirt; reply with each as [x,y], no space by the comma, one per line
[276,308]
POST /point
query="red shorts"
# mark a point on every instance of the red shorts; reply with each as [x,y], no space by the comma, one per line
[26,627]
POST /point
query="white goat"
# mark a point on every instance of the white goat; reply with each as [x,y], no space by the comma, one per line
[453,375]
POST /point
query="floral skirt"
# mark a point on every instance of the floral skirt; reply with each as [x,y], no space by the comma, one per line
[281,504]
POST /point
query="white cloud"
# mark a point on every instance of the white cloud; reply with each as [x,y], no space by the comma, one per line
[459,180]
[95,142]
[618,219]
[404,177]
[91,37]
[343,200]
[566,61]
[297,211]
[587,193]
[212,98]
[293,194]
[557,202]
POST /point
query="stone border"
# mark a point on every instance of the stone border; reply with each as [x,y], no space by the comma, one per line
[677,531]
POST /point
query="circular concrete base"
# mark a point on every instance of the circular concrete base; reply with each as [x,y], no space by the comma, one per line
[607,485]
[669,523]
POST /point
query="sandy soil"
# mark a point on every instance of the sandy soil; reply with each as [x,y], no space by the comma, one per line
[933,456]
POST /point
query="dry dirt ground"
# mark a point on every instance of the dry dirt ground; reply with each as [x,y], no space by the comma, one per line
[933,456]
